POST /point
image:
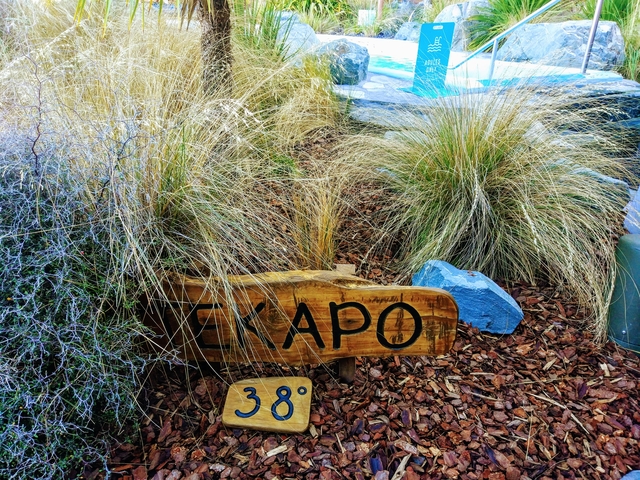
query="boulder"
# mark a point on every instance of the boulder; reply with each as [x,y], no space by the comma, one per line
[460,14]
[480,301]
[632,475]
[408,31]
[563,44]
[287,16]
[632,220]
[299,38]
[348,61]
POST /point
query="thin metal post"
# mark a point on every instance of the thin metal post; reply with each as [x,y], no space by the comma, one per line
[494,54]
[592,36]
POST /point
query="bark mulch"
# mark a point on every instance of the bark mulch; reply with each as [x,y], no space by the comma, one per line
[543,403]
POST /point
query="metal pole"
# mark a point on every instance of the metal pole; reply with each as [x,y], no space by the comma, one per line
[592,36]
[494,54]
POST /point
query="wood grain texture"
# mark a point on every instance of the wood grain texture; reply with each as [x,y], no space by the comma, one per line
[347,369]
[274,404]
[302,317]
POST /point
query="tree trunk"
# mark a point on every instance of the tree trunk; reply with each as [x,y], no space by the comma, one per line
[215,17]
[380,8]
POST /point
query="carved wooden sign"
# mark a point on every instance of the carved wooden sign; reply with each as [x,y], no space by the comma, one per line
[302,317]
[275,404]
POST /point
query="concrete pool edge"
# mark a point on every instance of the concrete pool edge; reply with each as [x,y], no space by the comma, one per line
[378,100]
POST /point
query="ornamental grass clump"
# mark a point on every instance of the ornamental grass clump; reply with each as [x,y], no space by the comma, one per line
[511,187]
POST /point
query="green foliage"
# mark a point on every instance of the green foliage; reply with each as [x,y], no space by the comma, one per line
[626,13]
[613,10]
[498,16]
[631,67]
[260,29]
[327,22]
[317,7]
[429,14]
[388,22]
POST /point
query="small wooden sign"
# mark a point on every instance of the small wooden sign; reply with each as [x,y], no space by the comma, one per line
[275,404]
[302,317]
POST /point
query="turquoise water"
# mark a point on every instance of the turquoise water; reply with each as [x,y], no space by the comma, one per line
[403,65]
[403,68]
[397,68]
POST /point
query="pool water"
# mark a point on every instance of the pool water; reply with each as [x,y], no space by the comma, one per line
[402,68]
[397,58]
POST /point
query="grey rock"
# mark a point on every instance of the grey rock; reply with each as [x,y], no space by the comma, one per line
[408,31]
[480,301]
[299,38]
[404,9]
[460,14]
[380,116]
[613,182]
[289,17]
[632,220]
[618,188]
[348,61]
[564,44]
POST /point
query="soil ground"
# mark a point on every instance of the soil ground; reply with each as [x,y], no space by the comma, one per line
[543,403]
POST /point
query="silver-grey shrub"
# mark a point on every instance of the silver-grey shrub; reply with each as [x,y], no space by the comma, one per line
[68,333]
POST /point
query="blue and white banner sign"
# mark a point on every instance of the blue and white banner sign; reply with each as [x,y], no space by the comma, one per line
[433,57]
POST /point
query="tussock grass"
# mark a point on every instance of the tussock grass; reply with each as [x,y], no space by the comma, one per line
[509,187]
[320,201]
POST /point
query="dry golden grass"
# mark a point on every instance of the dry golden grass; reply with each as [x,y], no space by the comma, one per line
[508,185]
[197,183]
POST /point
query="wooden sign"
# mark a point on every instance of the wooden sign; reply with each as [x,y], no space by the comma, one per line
[302,317]
[276,404]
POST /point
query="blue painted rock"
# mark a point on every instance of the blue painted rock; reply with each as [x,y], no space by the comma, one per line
[481,302]
[634,475]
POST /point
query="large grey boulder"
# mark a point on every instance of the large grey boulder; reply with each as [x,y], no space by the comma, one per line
[348,61]
[299,38]
[564,44]
[460,14]
[480,301]
[408,31]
